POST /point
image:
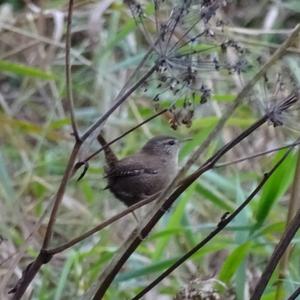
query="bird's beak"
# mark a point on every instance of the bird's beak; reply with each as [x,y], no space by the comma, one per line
[185,140]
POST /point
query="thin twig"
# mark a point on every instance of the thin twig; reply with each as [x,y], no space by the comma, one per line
[240,98]
[68,72]
[101,226]
[135,238]
[124,134]
[242,159]
[223,223]
[295,294]
[59,195]
[135,72]
[283,244]
[164,204]
[118,102]
[294,205]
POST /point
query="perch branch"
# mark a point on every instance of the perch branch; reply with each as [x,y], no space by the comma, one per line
[68,72]
[162,205]
[222,224]
[283,244]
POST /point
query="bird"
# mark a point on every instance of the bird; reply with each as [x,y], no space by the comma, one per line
[143,174]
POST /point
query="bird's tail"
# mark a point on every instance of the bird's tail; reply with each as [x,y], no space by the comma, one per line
[110,157]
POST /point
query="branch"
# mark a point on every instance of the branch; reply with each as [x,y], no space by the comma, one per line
[43,258]
[295,294]
[283,244]
[162,205]
[84,161]
[223,223]
[240,97]
[242,159]
[119,101]
[101,226]
[294,205]
[28,275]
[68,72]
[135,238]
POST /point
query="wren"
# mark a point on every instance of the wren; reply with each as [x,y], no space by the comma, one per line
[143,174]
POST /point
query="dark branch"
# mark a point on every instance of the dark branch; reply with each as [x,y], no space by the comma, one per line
[85,161]
[222,224]
[284,242]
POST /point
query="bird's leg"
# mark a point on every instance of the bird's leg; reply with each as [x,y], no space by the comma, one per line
[139,223]
[136,218]
[138,227]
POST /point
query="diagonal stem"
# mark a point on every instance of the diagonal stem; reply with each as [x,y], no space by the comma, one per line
[68,72]
[101,226]
[59,194]
[119,101]
[280,249]
[134,240]
[223,223]
[162,205]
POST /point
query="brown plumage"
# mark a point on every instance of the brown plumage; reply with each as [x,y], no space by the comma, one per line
[143,174]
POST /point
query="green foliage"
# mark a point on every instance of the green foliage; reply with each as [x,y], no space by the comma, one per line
[275,188]
[36,141]
[23,70]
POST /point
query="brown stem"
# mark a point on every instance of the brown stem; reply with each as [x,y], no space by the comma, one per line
[101,226]
[294,205]
[60,193]
[283,244]
[242,159]
[124,134]
[135,239]
[295,294]
[119,101]
[223,223]
[28,275]
[68,72]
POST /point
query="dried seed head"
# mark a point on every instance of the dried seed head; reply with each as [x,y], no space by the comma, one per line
[187,48]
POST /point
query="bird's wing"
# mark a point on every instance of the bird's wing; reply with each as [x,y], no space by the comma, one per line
[125,171]
[128,168]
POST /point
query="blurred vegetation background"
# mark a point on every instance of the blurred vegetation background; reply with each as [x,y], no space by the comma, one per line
[36,142]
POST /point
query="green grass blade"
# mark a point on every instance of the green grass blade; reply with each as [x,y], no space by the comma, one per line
[234,261]
[275,188]
[23,70]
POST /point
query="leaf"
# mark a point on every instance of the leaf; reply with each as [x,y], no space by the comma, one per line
[174,222]
[62,280]
[197,140]
[155,267]
[23,70]
[275,187]
[27,127]
[211,194]
[224,97]
[233,262]
[212,121]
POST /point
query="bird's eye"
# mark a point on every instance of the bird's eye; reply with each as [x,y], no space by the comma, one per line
[172,142]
